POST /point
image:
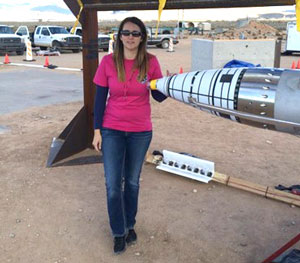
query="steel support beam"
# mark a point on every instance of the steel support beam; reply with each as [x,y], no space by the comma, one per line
[77,136]
[182,4]
[90,64]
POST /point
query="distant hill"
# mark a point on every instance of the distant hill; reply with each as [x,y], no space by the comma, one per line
[284,15]
[272,16]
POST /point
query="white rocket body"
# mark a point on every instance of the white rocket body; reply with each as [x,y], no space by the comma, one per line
[261,97]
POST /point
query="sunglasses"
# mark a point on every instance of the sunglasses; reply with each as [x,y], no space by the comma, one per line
[127,33]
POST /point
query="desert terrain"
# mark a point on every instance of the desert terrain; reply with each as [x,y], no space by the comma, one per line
[57,215]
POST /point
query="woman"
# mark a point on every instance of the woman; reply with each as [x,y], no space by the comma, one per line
[123,124]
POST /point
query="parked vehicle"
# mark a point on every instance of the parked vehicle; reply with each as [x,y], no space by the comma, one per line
[103,39]
[292,38]
[9,42]
[161,40]
[23,32]
[56,37]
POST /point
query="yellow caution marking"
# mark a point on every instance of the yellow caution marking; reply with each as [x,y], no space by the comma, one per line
[153,84]
[161,6]
[78,16]
[298,14]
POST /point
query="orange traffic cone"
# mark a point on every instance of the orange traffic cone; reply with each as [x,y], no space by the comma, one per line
[298,64]
[6,59]
[180,70]
[46,62]
[293,65]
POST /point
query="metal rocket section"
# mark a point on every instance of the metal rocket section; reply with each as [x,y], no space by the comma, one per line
[262,97]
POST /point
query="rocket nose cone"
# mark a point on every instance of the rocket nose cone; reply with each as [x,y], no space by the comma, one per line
[162,85]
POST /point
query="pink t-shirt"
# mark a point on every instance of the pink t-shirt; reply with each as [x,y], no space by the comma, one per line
[128,106]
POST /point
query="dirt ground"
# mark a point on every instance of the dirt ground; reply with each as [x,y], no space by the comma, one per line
[53,215]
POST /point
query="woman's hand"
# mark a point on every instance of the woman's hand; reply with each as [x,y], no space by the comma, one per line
[168,73]
[97,140]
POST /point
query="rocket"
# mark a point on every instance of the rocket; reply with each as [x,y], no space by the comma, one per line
[261,97]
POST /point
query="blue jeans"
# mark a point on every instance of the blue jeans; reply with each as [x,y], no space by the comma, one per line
[123,157]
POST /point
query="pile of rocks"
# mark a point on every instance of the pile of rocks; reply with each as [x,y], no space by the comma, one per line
[252,30]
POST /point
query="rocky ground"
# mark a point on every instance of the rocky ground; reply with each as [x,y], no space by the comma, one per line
[252,30]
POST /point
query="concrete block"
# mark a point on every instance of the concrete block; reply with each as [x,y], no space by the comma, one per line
[210,54]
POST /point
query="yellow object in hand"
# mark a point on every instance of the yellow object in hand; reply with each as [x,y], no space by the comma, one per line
[153,84]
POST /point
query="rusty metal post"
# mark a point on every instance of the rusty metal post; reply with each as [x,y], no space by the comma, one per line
[77,136]
[90,64]
[277,53]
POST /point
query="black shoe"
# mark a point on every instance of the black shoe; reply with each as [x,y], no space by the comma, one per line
[131,237]
[119,245]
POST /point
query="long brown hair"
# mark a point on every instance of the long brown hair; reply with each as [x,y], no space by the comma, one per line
[141,60]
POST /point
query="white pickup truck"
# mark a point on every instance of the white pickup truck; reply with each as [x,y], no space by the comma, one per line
[23,33]
[10,42]
[56,37]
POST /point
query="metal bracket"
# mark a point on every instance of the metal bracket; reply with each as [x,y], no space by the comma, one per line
[187,166]
[73,139]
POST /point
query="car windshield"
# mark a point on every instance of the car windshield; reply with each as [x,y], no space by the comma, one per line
[58,30]
[6,30]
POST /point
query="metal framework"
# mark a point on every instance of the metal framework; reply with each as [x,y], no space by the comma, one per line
[78,135]
[181,4]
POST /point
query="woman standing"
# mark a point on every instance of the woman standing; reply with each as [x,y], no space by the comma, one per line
[122,124]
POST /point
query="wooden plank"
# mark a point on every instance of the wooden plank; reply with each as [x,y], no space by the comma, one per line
[245,185]
[283,196]
[266,191]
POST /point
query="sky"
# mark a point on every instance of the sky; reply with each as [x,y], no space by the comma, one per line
[56,10]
